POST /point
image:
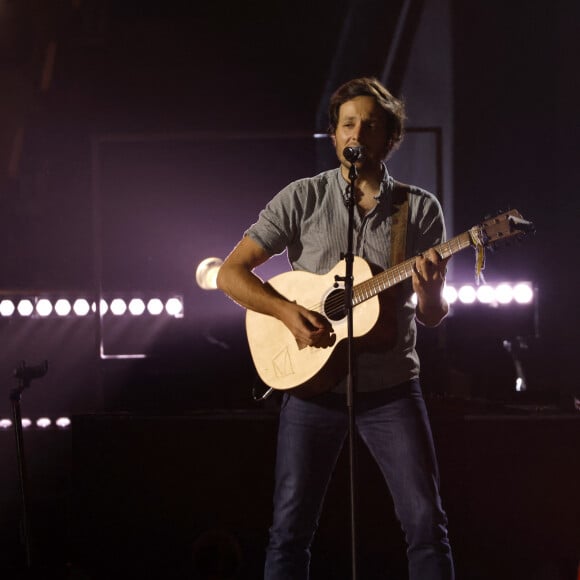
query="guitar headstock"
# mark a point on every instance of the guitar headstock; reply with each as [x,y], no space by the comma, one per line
[502,227]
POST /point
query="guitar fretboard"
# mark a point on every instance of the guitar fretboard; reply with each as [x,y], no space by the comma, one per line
[404,270]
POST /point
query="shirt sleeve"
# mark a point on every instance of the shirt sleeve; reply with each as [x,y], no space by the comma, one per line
[429,223]
[278,222]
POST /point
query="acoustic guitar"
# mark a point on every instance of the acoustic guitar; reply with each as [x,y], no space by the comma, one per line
[283,364]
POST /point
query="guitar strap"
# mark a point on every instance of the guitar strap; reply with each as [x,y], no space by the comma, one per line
[399,221]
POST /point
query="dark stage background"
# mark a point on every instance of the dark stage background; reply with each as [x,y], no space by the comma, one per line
[140,137]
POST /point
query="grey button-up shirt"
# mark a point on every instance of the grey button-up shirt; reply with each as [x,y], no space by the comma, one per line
[309,219]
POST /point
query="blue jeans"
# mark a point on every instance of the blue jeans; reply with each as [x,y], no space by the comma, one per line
[394,425]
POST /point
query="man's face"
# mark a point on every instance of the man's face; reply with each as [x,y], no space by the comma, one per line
[361,122]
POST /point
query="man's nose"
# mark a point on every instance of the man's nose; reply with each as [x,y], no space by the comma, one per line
[355,134]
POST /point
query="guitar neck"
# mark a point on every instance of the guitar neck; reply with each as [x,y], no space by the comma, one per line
[389,278]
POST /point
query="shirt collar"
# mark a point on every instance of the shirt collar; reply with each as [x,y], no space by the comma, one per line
[386,188]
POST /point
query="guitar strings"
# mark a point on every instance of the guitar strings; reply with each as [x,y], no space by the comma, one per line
[335,303]
[398,273]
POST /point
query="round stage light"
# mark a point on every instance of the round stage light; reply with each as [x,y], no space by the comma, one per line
[450,294]
[206,273]
[118,307]
[155,306]
[62,307]
[485,294]
[25,307]
[174,307]
[523,293]
[136,306]
[7,308]
[504,293]
[81,307]
[44,307]
[467,294]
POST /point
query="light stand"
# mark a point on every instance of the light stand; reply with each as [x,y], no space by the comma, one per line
[24,376]
[514,348]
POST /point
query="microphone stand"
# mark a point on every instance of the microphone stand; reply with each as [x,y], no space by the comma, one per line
[350,387]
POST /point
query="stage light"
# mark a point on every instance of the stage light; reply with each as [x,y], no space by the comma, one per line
[7,308]
[44,307]
[136,306]
[26,423]
[103,307]
[174,307]
[155,306]
[25,307]
[504,293]
[206,273]
[485,294]
[63,422]
[450,294]
[62,307]
[5,423]
[81,307]
[43,422]
[118,307]
[467,294]
[523,293]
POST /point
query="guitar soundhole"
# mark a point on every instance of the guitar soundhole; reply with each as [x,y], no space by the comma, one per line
[334,305]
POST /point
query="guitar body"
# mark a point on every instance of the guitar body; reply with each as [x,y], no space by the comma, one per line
[280,363]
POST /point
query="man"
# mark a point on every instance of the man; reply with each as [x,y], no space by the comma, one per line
[309,219]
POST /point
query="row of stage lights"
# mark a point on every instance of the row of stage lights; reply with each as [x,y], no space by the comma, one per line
[44,307]
[500,294]
[40,423]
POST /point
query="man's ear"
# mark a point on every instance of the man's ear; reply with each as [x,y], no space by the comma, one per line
[391,146]
[333,139]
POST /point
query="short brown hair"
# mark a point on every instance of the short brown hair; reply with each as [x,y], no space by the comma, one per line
[370,86]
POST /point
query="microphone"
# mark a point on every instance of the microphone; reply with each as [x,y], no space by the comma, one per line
[353,154]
